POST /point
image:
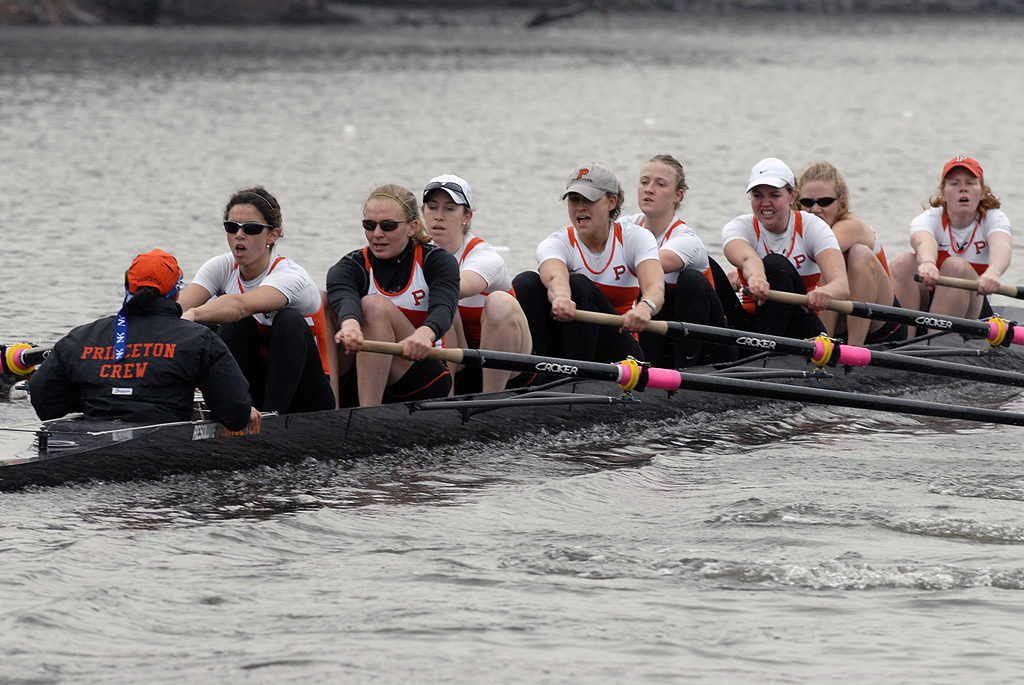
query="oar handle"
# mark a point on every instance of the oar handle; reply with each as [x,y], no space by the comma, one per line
[841,306]
[393,348]
[968,284]
[584,316]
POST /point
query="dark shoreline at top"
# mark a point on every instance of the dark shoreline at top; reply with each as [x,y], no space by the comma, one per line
[540,12]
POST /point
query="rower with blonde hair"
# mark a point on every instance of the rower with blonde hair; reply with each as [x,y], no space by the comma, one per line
[690,273]
[399,288]
[822,191]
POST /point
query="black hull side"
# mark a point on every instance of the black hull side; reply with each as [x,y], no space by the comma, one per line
[82,450]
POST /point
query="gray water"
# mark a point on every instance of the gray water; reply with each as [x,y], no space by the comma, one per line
[791,546]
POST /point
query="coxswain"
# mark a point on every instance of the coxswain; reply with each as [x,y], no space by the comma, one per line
[143,365]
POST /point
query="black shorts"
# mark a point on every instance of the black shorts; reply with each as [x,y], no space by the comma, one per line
[890,332]
[470,380]
[425,379]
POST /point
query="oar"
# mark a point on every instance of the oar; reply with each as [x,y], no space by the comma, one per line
[1016,291]
[821,351]
[996,331]
[631,375]
[21,359]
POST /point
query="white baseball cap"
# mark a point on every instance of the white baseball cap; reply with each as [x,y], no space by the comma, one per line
[770,172]
[456,187]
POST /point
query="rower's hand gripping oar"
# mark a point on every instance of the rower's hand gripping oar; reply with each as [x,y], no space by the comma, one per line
[630,372]
[998,332]
[21,359]
[1015,291]
[822,350]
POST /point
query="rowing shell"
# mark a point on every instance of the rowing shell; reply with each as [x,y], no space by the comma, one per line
[77,449]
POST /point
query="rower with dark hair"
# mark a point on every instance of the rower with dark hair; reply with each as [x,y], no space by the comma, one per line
[490,317]
[269,309]
[596,264]
[144,364]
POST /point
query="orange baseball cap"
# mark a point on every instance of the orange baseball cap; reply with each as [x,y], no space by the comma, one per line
[964,161]
[155,268]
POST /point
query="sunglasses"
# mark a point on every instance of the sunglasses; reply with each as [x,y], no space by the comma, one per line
[250,227]
[809,202]
[387,225]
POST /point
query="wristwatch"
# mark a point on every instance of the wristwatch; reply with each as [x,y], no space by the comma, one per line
[647,301]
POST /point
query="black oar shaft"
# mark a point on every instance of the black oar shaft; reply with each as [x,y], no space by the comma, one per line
[844,354]
[35,355]
[848,399]
[714,334]
[669,379]
[509,361]
[954,324]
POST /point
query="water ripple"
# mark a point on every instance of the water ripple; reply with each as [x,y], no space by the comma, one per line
[967,530]
[844,573]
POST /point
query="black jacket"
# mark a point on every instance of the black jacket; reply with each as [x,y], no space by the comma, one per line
[348,281]
[166,359]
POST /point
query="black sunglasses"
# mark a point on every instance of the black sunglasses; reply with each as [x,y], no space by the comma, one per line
[808,202]
[250,227]
[447,185]
[387,225]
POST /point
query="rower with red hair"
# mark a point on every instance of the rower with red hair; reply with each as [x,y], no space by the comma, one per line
[963,234]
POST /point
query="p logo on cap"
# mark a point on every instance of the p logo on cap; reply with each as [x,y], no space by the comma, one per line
[591,182]
[964,161]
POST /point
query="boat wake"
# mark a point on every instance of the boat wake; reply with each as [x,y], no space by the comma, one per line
[846,572]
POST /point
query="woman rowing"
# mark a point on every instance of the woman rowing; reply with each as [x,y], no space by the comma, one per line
[143,365]
[397,288]
[489,317]
[777,248]
[269,309]
[822,191]
[595,264]
[963,234]
[689,273]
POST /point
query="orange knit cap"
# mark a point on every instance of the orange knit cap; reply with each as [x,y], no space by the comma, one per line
[155,268]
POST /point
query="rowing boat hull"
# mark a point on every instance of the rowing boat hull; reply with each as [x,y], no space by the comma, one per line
[78,449]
